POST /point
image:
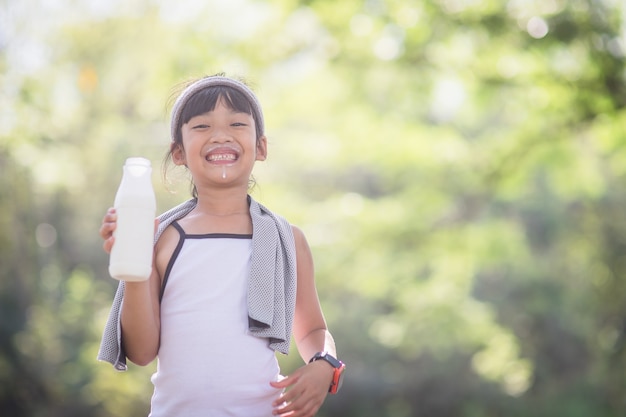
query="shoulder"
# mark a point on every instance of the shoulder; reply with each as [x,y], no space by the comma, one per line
[167,242]
[165,247]
[169,233]
[298,236]
[303,250]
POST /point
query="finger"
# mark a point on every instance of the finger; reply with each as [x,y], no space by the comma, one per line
[300,407]
[290,400]
[108,244]
[109,223]
[284,382]
[110,216]
[287,384]
[106,229]
[303,407]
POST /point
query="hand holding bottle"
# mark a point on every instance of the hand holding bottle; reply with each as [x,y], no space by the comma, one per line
[109,223]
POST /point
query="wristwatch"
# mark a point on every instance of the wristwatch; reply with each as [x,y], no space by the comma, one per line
[339,366]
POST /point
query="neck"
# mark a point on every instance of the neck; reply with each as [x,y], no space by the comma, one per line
[222,203]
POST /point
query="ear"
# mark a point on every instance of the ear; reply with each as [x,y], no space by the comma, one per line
[261,149]
[178,154]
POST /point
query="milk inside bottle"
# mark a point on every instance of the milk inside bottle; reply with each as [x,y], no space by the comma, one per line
[135,203]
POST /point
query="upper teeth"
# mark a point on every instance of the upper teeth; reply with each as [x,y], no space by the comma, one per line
[221,157]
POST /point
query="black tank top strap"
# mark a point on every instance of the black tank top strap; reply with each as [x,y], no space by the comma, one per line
[177,250]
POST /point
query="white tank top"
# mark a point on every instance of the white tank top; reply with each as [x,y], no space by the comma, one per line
[208,364]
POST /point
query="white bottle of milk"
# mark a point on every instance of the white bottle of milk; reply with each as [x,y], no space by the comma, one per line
[135,203]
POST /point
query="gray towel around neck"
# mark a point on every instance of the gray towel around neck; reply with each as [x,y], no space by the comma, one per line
[271,284]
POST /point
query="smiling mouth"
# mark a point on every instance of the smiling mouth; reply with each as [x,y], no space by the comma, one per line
[221,157]
[222,154]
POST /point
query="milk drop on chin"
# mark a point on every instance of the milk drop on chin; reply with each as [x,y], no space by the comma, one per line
[135,204]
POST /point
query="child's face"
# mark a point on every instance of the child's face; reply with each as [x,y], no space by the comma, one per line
[220,147]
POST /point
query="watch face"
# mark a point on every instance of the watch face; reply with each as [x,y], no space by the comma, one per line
[333,361]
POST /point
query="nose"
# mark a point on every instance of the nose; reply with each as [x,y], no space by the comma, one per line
[220,135]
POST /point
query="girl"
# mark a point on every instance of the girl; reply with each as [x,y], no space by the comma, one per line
[231,280]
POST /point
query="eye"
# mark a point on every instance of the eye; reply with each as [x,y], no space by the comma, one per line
[200,126]
[238,124]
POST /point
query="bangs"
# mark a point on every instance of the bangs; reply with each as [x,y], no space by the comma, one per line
[205,101]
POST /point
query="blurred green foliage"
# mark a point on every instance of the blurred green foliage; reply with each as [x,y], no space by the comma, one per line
[458,167]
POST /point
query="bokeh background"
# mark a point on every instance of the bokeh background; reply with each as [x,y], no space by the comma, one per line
[459,167]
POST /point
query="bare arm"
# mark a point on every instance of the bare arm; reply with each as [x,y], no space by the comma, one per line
[140,314]
[307,387]
[310,330]
[141,324]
